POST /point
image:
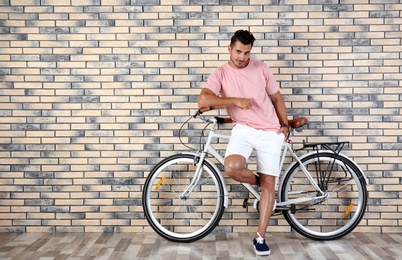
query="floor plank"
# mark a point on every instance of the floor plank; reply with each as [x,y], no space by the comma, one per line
[116,246]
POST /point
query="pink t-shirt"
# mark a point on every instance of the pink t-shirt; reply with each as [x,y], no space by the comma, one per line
[255,81]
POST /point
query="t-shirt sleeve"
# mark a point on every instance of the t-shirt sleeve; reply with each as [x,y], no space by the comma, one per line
[214,82]
[272,85]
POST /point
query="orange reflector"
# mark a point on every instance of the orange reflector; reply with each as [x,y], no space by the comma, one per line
[349,209]
[160,183]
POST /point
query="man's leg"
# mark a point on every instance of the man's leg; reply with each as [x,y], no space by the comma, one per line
[267,202]
[235,169]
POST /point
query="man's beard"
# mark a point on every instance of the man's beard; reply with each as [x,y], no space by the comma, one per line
[240,64]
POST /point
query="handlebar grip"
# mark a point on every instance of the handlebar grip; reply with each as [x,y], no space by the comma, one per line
[202,110]
[205,109]
[219,120]
[222,120]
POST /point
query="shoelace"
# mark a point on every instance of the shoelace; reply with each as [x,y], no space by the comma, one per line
[260,240]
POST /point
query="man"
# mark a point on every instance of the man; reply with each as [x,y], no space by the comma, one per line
[250,93]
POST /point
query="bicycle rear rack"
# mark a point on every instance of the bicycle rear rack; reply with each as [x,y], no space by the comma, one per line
[335,147]
[324,174]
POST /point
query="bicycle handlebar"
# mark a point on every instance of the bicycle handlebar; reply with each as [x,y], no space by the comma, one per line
[202,110]
[296,123]
[219,120]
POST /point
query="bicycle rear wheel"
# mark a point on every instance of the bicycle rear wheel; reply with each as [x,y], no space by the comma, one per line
[182,219]
[345,200]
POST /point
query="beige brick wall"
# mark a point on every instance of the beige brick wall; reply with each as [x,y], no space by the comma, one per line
[93,92]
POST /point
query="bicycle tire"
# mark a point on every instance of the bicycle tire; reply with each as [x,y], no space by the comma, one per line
[338,214]
[176,219]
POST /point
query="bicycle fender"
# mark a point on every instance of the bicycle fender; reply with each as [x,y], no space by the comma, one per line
[225,191]
[358,167]
[328,151]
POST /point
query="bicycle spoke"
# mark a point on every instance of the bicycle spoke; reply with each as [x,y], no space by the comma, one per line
[344,203]
[177,218]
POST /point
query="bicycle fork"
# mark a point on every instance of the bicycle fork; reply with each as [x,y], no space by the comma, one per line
[198,160]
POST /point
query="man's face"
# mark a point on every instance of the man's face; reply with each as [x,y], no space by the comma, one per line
[239,55]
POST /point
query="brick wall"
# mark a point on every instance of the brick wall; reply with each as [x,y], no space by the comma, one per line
[94,91]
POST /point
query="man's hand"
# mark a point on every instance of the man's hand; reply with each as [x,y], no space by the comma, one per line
[283,130]
[244,103]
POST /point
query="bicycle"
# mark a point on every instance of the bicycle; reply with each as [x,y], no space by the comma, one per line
[322,194]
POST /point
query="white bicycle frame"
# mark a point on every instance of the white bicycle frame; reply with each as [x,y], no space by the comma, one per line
[208,148]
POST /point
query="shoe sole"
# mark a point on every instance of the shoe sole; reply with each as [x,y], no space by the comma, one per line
[262,253]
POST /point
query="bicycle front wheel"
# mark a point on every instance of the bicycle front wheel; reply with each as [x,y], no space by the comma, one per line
[181,219]
[341,208]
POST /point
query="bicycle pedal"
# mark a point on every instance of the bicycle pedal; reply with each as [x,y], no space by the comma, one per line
[291,207]
[256,204]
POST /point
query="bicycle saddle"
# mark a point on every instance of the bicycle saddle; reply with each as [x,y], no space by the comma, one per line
[298,122]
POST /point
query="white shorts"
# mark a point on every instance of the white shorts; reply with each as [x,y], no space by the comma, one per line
[268,145]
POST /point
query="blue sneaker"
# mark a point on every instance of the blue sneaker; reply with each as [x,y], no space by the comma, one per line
[260,247]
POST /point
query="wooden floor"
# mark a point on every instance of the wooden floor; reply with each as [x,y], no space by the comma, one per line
[118,246]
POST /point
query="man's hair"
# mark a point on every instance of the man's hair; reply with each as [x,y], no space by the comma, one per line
[243,36]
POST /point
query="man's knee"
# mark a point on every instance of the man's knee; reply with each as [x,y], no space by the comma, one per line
[234,164]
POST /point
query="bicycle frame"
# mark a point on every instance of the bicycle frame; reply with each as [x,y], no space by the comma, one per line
[200,157]
[322,193]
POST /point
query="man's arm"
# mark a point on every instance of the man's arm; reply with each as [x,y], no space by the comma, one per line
[208,98]
[281,111]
